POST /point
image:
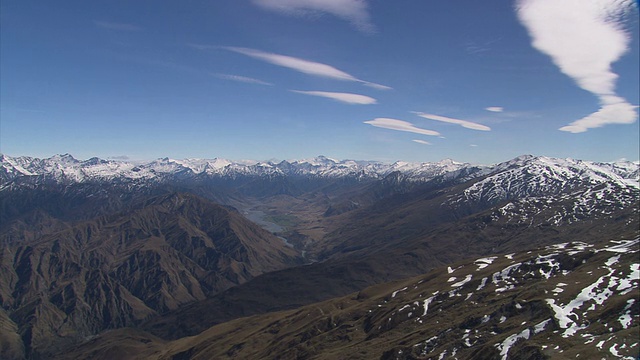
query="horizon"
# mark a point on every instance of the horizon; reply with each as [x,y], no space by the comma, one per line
[480,83]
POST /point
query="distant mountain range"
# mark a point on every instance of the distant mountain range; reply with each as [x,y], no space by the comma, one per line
[171,248]
[65,168]
[547,173]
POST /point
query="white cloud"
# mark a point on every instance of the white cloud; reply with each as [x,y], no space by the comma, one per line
[348,98]
[354,11]
[584,38]
[463,123]
[422,142]
[400,125]
[297,64]
[243,79]
[495,108]
[116,26]
[614,110]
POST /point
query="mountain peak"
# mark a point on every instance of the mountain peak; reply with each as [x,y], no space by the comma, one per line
[320,160]
[64,158]
[448,161]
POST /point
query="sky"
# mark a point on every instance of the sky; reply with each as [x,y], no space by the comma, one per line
[411,80]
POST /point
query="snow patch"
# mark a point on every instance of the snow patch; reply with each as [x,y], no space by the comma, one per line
[460,283]
[397,291]
[483,283]
[484,262]
[509,341]
[427,302]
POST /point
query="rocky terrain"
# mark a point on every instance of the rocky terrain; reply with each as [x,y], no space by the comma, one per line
[119,269]
[567,300]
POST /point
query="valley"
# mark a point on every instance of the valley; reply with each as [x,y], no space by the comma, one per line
[315,258]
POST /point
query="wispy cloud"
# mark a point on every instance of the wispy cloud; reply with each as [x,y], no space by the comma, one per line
[463,123]
[422,142]
[376,86]
[354,11]
[297,64]
[584,38]
[613,110]
[400,125]
[494,108]
[116,26]
[348,98]
[243,79]
[475,48]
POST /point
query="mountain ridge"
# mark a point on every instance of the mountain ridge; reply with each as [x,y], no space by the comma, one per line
[67,168]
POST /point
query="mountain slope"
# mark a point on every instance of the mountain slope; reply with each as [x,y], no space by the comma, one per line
[117,270]
[561,301]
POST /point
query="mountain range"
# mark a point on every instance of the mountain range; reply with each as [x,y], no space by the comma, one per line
[177,254]
[65,168]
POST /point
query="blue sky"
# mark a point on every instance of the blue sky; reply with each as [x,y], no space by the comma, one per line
[413,80]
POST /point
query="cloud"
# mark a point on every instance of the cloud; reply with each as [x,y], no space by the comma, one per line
[297,64]
[354,11]
[614,110]
[422,142]
[494,108]
[116,26]
[584,38]
[242,79]
[376,86]
[400,125]
[348,98]
[463,123]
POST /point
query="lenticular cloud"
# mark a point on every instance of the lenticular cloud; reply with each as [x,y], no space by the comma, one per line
[584,38]
[400,125]
[347,98]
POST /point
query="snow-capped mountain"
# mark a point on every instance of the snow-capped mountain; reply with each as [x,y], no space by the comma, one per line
[543,190]
[526,182]
[529,176]
[65,168]
[541,174]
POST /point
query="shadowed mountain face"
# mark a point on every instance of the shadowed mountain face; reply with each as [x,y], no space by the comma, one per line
[561,301]
[117,270]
